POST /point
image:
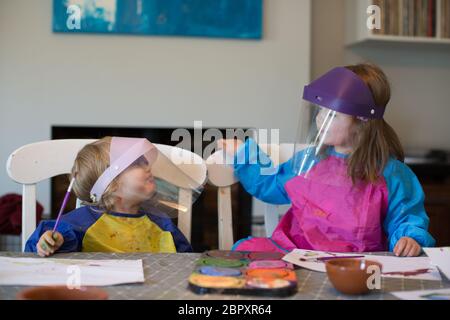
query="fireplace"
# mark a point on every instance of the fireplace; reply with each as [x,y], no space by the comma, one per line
[204,211]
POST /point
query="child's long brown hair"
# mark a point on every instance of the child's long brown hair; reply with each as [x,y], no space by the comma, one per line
[376,141]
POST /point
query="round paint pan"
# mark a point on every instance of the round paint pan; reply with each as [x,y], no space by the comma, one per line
[219,271]
[267,283]
[268,273]
[205,281]
[268,264]
[265,255]
[224,263]
[233,255]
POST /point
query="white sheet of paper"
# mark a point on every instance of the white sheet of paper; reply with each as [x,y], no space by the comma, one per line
[390,264]
[440,257]
[50,271]
[437,294]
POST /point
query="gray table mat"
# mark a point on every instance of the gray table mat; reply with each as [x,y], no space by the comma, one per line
[166,278]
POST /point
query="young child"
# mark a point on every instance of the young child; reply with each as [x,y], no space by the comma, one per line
[112,176]
[349,190]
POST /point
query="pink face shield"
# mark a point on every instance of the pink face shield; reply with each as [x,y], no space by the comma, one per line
[123,153]
[148,176]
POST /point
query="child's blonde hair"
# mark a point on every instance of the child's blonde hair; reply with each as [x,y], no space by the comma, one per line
[91,161]
[376,141]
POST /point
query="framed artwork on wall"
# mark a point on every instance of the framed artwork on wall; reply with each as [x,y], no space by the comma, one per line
[241,19]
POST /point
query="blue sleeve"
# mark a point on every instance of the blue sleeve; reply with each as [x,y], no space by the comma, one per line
[181,243]
[71,241]
[406,216]
[260,178]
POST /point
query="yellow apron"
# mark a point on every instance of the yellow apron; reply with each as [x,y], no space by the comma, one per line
[112,233]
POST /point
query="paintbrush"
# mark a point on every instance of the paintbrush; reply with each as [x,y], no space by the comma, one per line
[63,206]
[312,259]
[339,257]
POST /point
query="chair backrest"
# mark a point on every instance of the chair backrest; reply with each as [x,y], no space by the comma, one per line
[221,174]
[39,161]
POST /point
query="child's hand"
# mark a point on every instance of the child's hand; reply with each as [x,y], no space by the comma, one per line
[407,247]
[49,243]
[229,145]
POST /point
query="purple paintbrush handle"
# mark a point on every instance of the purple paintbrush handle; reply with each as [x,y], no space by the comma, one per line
[63,206]
[338,257]
[66,198]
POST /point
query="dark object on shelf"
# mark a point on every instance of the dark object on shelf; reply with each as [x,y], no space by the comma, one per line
[427,156]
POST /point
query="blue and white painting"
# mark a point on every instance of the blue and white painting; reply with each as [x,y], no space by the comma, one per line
[197,18]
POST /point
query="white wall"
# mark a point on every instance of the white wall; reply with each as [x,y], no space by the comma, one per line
[419,110]
[55,79]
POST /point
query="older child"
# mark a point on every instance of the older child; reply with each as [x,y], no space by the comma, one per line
[349,188]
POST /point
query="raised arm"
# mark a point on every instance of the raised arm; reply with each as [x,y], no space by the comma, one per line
[259,177]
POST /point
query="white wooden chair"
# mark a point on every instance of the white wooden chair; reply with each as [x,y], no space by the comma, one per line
[38,161]
[221,174]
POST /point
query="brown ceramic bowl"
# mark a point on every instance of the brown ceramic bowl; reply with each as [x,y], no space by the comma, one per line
[350,276]
[62,293]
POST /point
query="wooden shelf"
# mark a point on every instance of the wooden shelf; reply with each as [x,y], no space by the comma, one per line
[358,34]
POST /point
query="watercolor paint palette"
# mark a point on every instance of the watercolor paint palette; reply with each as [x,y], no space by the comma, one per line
[244,273]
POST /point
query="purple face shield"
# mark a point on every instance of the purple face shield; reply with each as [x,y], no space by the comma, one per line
[329,103]
[343,91]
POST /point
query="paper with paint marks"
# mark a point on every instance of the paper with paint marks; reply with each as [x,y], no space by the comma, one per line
[436,294]
[73,272]
[440,257]
[419,268]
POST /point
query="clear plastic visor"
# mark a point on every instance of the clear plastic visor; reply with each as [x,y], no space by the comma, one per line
[321,132]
